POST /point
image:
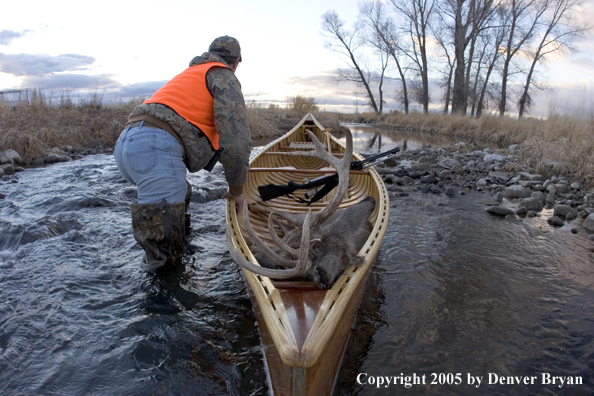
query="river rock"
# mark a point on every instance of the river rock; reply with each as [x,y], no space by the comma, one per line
[407,180]
[384,171]
[389,179]
[53,158]
[429,179]
[448,162]
[538,187]
[522,211]
[498,175]
[457,170]
[575,186]
[8,169]
[564,210]
[97,202]
[555,221]
[10,157]
[589,223]
[444,174]
[562,188]
[391,162]
[401,173]
[420,166]
[499,211]
[493,158]
[533,203]
[1,172]
[516,191]
[531,176]
[215,193]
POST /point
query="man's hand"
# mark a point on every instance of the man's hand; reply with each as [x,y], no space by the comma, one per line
[238,201]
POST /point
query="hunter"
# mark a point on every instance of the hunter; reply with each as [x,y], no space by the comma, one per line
[193,121]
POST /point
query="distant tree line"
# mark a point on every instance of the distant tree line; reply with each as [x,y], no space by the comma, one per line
[476,49]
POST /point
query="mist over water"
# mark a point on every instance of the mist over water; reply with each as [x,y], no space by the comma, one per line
[454,290]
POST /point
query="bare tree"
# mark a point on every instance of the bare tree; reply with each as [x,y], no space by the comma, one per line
[346,42]
[524,16]
[497,34]
[416,15]
[560,28]
[470,18]
[443,34]
[472,94]
[382,30]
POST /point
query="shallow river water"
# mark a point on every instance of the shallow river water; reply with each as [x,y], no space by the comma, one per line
[454,290]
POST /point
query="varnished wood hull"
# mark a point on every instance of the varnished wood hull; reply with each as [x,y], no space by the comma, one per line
[304,330]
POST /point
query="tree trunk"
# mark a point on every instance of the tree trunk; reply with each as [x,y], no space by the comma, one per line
[459,91]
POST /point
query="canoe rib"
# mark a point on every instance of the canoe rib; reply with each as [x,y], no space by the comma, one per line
[305,359]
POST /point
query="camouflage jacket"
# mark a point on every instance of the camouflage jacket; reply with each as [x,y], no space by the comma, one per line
[230,119]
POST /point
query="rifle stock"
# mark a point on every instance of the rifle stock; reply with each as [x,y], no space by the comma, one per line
[270,191]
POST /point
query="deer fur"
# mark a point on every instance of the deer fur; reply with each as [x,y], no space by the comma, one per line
[337,243]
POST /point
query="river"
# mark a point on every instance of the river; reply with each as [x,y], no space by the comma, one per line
[454,291]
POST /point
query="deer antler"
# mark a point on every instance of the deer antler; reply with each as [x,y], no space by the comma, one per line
[302,266]
[285,247]
[342,168]
[263,246]
[303,263]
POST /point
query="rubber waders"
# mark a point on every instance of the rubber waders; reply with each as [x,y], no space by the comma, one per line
[160,230]
[187,201]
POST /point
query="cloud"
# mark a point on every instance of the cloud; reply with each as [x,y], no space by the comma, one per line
[39,64]
[6,36]
[146,89]
[71,81]
[586,63]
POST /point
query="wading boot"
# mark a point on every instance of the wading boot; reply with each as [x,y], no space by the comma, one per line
[160,230]
[187,202]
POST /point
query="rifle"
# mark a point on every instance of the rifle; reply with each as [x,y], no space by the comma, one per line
[271,191]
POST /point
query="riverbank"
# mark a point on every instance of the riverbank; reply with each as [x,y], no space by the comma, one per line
[559,145]
[559,148]
[510,190]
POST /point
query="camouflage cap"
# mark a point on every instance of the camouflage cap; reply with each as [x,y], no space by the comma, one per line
[226,46]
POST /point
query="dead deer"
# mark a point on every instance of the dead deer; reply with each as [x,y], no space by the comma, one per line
[319,246]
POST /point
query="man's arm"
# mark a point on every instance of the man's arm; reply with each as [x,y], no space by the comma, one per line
[230,118]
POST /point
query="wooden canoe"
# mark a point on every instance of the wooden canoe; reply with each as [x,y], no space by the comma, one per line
[305,330]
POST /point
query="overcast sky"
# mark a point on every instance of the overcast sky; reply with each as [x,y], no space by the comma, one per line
[131,48]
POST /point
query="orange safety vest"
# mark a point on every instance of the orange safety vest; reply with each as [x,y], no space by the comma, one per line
[188,95]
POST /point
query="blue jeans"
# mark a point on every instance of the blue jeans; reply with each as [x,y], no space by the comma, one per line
[153,160]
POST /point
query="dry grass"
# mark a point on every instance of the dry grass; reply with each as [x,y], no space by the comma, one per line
[273,121]
[558,145]
[46,123]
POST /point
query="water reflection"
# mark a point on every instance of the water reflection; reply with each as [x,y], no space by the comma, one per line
[371,140]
